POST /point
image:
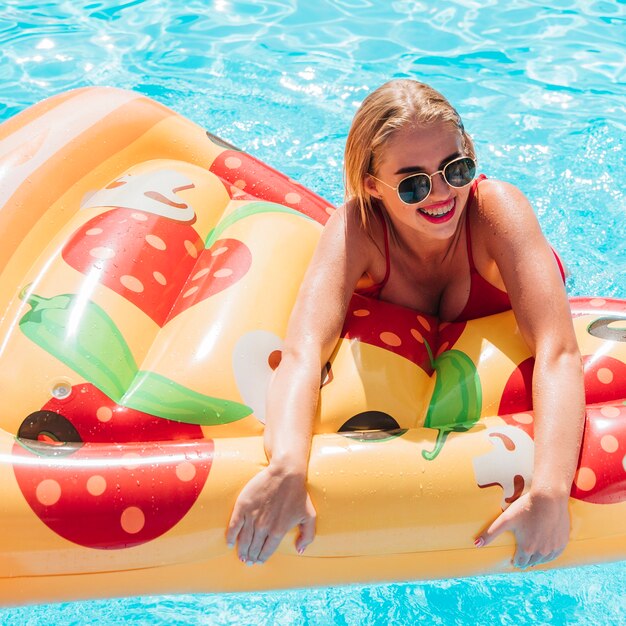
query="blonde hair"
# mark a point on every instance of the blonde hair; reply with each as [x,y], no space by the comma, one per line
[397,104]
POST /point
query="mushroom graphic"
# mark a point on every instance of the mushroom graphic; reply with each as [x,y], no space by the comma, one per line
[153,192]
[509,463]
[255,357]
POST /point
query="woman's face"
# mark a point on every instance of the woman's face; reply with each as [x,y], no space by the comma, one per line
[423,149]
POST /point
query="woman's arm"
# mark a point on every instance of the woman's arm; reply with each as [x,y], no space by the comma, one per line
[275,500]
[540,518]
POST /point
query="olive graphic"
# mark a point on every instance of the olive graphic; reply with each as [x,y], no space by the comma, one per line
[47,433]
[372,426]
[601,328]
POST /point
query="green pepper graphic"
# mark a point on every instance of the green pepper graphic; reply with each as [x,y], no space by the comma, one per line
[81,334]
[457,398]
[163,397]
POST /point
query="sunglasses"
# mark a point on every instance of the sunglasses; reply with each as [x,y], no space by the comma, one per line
[416,188]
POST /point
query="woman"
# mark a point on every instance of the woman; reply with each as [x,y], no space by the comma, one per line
[424,235]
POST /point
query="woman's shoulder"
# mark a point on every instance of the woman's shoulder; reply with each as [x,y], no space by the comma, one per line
[360,232]
[503,211]
[365,242]
[500,202]
[493,193]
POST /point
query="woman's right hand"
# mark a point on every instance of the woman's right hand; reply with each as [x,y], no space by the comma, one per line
[268,507]
[276,499]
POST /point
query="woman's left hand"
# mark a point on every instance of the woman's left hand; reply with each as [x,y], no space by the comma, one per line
[541,525]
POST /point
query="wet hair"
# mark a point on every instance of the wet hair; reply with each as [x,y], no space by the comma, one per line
[400,103]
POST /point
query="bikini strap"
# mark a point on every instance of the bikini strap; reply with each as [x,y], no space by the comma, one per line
[383,221]
[468,234]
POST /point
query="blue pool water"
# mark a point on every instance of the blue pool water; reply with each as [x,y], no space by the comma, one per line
[541,86]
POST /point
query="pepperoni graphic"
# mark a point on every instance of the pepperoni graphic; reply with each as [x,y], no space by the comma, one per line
[135,497]
[392,327]
[604,377]
[601,477]
[124,505]
[517,394]
[246,178]
[154,262]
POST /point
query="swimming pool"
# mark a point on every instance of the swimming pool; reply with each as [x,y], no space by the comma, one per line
[541,88]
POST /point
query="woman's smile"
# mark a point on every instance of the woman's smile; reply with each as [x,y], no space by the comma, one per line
[438,212]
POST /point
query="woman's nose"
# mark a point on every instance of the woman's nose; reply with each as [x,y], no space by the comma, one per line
[439,186]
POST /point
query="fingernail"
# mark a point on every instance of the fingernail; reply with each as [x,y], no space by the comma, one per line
[248,563]
[242,559]
[300,550]
[230,545]
[479,543]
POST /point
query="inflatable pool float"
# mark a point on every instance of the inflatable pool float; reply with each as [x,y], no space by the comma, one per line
[146,277]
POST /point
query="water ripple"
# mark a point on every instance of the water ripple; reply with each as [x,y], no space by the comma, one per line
[538,598]
[541,85]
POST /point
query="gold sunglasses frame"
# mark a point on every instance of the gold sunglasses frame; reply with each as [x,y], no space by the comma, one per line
[430,179]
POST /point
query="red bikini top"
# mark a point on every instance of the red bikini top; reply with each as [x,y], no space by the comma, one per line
[484,298]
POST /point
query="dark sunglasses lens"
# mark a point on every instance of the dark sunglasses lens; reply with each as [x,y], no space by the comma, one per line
[414,188]
[460,172]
